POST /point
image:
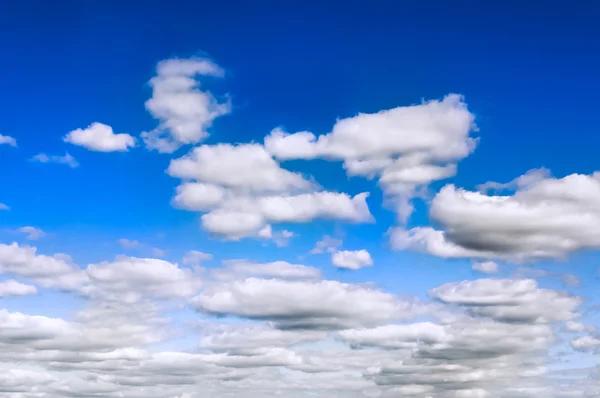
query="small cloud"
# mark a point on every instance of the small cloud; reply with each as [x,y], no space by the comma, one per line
[7,140]
[4,207]
[281,239]
[327,244]
[194,257]
[571,280]
[100,137]
[66,159]
[352,259]
[485,267]
[128,244]
[32,232]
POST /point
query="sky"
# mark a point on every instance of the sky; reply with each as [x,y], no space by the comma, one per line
[298,199]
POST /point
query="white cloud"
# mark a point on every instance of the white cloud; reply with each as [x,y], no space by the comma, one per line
[406,147]
[158,252]
[510,300]
[7,140]
[183,109]
[57,271]
[242,269]
[280,238]
[485,267]
[585,343]
[66,159]
[14,288]
[101,138]
[352,259]
[4,207]
[546,217]
[302,305]
[129,279]
[247,168]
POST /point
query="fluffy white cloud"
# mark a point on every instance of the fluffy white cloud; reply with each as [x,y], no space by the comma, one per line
[545,217]
[66,159]
[7,140]
[302,305]
[14,288]
[130,279]
[32,233]
[406,147]
[352,259]
[183,109]
[247,168]
[57,271]
[101,138]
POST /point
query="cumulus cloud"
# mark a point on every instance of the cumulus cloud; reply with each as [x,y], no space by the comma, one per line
[406,147]
[302,305]
[352,259]
[66,159]
[7,140]
[243,190]
[184,110]
[14,288]
[508,300]
[545,218]
[101,138]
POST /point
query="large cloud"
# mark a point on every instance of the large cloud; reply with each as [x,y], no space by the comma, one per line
[545,217]
[302,305]
[184,110]
[406,147]
[243,189]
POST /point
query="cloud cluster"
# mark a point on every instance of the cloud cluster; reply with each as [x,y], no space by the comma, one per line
[272,329]
[405,147]
[545,217]
[243,190]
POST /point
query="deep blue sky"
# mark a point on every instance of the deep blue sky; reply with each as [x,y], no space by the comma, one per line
[528,71]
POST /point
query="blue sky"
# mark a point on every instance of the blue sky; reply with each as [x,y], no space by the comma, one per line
[526,75]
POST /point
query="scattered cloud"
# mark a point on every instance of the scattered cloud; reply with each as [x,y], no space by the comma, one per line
[183,109]
[327,244]
[32,233]
[66,159]
[101,138]
[7,140]
[352,259]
